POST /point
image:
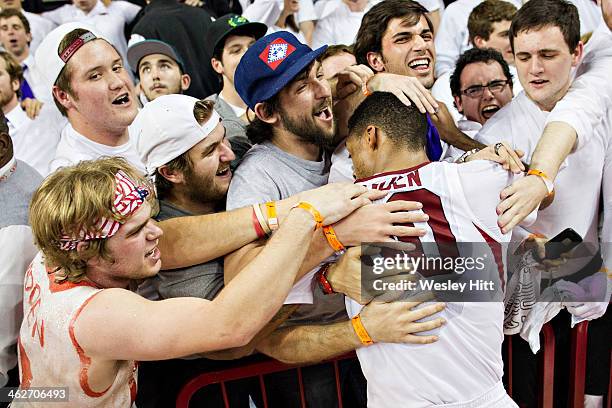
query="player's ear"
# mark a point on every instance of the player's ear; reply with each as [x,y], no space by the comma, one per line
[372,137]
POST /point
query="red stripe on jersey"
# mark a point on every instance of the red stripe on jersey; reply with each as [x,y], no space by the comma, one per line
[432,206]
[85,360]
[443,236]
[496,248]
[26,370]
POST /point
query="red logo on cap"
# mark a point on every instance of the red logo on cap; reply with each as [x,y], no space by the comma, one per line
[276,52]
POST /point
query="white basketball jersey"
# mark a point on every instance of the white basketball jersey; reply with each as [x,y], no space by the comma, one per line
[49,352]
[466,360]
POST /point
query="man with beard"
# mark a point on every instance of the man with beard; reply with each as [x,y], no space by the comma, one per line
[281,81]
[185,147]
[158,67]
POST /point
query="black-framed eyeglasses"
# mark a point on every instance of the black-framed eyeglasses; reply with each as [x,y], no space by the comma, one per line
[476,91]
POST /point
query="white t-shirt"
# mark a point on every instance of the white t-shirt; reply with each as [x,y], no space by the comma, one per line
[578,184]
[39,27]
[268,11]
[74,147]
[336,23]
[109,21]
[586,103]
[35,141]
[466,360]
[36,80]
[590,15]
[606,230]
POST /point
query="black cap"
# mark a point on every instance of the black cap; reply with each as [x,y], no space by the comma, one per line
[231,24]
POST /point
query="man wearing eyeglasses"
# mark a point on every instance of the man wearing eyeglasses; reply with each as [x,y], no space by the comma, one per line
[481,85]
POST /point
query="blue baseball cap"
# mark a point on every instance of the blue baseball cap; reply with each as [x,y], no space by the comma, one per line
[270,64]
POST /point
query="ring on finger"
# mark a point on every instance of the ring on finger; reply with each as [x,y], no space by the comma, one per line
[497,147]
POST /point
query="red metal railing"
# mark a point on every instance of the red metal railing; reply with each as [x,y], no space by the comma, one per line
[578,365]
[249,371]
[546,370]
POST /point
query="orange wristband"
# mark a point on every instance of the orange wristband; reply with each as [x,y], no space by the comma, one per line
[332,239]
[315,213]
[272,218]
[361,331]
[549,184]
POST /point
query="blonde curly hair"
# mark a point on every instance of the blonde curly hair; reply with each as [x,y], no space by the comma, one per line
[72,199]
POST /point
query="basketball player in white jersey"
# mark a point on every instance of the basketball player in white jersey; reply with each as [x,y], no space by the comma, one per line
[464,368]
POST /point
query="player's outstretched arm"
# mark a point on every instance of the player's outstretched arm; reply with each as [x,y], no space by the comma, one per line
[384,322]
[119,325]
[198,239]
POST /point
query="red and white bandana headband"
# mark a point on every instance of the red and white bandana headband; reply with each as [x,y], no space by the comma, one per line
[128,198]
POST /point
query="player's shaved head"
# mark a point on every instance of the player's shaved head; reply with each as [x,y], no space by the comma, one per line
[404,125]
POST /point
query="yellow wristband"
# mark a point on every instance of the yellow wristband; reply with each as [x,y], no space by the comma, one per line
[361,332]
[315,213]
[272,218]
[332,239]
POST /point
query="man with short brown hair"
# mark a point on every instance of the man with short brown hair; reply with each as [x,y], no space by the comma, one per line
[92,88]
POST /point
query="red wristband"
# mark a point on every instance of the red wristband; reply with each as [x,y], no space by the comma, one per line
[258,229]
[321,277]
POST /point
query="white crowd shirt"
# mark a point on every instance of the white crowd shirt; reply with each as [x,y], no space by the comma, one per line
[520,123]
[74,147]
[336,23]
[39,27]
[35,141]
[36,80]
[586,103]
[18,250]
[268,11]
[109,21]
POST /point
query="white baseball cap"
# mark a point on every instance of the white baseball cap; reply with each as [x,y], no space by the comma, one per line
[47,55]
[167,129]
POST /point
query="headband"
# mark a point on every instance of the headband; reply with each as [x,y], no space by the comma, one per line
[128,198]
[75,45]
